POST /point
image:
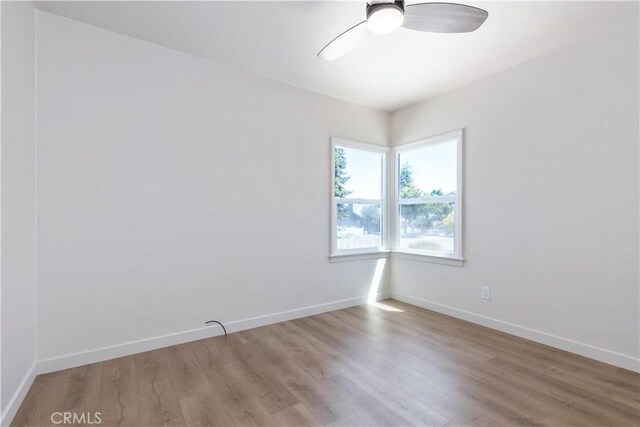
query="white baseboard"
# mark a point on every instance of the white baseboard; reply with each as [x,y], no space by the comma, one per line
[133,347]
[18,397]
[586,350]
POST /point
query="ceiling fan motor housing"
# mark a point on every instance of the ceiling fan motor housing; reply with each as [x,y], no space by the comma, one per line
[373,7]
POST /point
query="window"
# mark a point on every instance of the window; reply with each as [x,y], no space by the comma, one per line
[428,196]
[358,209]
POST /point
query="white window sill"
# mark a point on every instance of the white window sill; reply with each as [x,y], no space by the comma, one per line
[412,256]
[358,256]
[434,259]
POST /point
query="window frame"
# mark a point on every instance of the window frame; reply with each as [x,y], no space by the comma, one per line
[384,219]
[458,137]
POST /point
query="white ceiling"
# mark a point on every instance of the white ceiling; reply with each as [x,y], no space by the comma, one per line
[279,40]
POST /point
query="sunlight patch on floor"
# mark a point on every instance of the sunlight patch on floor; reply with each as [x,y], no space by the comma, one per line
[385,307]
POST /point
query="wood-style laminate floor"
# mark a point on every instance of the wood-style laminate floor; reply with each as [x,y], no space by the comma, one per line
[359,366]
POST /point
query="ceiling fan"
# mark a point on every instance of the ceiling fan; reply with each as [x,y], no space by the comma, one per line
[385,16]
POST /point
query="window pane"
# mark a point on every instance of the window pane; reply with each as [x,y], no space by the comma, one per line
[358,173]
[359,226]
[427,227]
[430,171]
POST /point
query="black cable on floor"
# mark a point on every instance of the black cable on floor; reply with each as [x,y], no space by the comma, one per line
[219,323]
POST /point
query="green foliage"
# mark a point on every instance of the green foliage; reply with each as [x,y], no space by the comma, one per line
[340,173]
[371,218]
[421,216]
[449,222]
[406,175]
[341,179]
[408,189]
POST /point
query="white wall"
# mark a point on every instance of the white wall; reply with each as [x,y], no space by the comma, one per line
[551,193]
[17,150]
[172,190]
[165,182]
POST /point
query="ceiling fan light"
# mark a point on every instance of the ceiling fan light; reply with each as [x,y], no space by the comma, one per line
[386,19]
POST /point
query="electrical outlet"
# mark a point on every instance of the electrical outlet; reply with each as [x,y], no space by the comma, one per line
[485,292]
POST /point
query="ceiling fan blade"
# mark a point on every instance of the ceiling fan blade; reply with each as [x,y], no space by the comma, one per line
[443,17]
[345,42]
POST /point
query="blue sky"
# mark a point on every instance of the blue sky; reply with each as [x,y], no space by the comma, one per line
[433,167]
